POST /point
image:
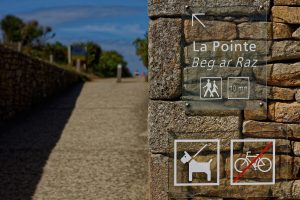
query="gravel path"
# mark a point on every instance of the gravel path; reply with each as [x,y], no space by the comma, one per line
[89,143]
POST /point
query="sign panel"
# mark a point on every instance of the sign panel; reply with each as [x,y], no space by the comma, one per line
[203,169]
[78,53]
[224,167]
[226,50]
[257,162]
[225,60]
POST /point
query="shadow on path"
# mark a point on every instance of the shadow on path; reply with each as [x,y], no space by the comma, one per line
[27,141]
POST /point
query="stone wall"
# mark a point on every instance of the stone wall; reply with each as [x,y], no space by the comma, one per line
[25,81]
[278,118]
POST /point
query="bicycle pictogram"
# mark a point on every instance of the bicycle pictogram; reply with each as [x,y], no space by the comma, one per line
[262,164]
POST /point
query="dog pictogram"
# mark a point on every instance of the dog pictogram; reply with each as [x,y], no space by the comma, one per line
[195,166]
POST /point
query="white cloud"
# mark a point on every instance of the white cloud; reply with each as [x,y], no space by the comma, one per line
[108,28]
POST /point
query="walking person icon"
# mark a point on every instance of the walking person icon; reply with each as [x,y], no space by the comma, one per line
[208,87]
[215,88]
[211,88]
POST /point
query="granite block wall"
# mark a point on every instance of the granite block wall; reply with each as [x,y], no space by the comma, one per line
[277,117]
[25,81]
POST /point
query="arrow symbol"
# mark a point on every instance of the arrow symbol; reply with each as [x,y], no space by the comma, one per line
[194,16]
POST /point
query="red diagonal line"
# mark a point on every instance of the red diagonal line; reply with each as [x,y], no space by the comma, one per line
[253,161]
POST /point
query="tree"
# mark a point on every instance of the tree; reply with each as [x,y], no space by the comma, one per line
[29,34]
[12,28]
[58,50]
[141,45]
[34,34]
[94,52]
[108,65]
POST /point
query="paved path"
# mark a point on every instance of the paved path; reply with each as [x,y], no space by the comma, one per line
[89,143]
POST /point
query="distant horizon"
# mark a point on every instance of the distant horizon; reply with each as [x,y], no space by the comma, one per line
[113,25]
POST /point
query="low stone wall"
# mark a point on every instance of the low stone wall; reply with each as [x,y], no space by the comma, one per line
[279,118]
[25,81]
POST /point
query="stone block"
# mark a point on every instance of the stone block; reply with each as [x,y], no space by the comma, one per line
[271,130]
[286,112]
[168,118]
[255,110]
[286,2]
[277,93]
[225,190]
[286,14]
[281,146]
[279,74]
[285,50]
[295,130]
[177,8]
[296,148]
[263,73]
[210,32]
[162,178]
[281,31]
[296,34]
[165,58]
[265,129]
[286,190]
[295,192]
[297,96]
[255,30]
[159,177]
[281,190]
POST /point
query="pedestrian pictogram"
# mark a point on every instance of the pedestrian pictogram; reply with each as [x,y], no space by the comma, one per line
[247,166]
[197,166]
[211,88]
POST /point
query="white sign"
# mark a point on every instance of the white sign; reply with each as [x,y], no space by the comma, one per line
[195,166]
[256,162]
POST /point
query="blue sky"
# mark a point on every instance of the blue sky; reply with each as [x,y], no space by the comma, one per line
[114,24]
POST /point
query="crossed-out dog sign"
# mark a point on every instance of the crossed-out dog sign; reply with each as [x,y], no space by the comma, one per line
[203,165]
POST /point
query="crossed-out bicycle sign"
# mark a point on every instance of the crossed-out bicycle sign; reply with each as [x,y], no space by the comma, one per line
[260,163]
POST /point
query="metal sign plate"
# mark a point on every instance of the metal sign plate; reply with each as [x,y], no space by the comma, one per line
[225,65]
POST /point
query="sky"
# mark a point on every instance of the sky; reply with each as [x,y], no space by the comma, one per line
[114,24]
